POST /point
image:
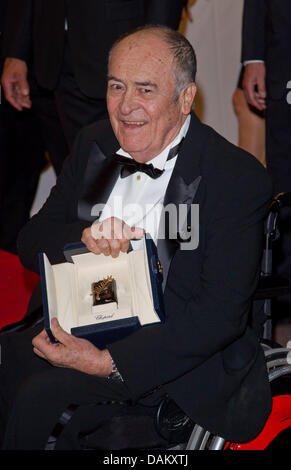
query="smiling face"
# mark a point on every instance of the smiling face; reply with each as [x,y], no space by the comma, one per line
[140,96]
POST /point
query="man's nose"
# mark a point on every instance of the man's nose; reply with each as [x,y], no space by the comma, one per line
[128,102]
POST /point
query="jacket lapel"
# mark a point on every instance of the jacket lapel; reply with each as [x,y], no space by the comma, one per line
[182,190]
[99,178]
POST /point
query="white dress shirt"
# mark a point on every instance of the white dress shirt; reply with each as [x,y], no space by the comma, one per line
[138,199]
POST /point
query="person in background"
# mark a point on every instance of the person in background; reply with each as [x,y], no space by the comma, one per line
[251,124]
[69,43]
[54,71]
[22,157]
[267,83]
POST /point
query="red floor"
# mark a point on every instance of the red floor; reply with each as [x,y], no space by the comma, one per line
[16,286]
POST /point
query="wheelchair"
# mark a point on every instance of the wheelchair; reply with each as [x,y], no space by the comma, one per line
[277,430]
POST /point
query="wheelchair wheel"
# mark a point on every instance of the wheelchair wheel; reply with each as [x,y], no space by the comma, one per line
[277,430]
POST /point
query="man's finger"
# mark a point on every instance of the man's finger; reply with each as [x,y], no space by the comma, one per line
[254,83]
[124,245]
[115,247]
[23,91]
[104,246]
[261,102]
[250,90]
[39,353]
[41,343]
[23,86]
[92,245]
[41,336]
[89,241]
[61,335]
[119,236]
[10,95]
[24,102]
[261,82]
[132,233]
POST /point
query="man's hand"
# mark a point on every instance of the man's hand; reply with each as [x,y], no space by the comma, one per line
[254,85]
[110,237]
[15,84]
[72,352]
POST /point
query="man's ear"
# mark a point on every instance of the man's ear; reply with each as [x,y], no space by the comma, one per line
[187,97]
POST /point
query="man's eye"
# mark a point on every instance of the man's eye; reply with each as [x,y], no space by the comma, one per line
[146,91]
[115,86]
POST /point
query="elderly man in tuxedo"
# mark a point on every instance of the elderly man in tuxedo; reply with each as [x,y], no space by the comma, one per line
[205,356]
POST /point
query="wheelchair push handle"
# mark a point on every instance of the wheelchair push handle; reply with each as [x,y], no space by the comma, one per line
[280,201]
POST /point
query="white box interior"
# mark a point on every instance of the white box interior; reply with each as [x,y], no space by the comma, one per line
[69,289]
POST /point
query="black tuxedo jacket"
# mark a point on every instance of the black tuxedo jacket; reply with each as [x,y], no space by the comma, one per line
[267,36]
[205,355]
[3,6]
[36,30]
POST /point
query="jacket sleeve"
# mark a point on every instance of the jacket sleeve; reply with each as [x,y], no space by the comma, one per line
[253,30]
[57,223]
[18,30]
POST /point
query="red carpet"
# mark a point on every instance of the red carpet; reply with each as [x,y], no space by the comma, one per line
[16,287]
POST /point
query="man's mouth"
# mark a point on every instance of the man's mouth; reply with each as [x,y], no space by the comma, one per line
[133,123]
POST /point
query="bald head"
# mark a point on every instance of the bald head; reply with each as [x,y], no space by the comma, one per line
[184,64]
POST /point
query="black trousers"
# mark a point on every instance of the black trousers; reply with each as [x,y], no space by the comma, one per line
[75,108]
[34,394]
[50,127]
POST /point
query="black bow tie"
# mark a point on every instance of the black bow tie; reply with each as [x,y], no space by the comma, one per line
[131,166]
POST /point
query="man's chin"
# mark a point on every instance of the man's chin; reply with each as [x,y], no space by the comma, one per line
[139,154]
[132,145]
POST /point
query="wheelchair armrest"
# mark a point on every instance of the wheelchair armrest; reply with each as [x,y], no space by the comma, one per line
[280,201]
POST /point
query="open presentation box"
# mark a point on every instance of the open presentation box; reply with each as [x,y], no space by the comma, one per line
[136,298]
